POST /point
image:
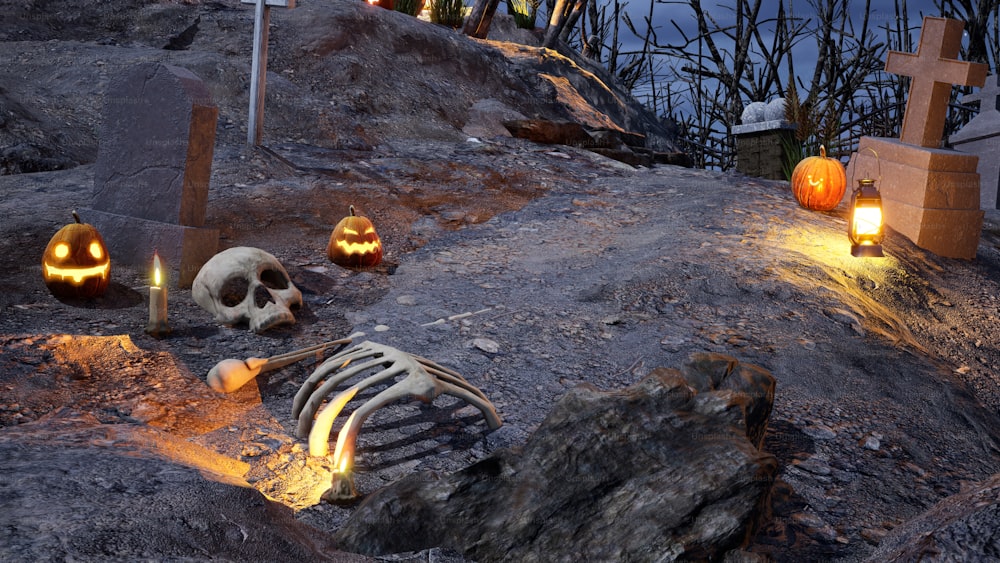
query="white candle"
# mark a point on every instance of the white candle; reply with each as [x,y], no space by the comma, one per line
[157,302]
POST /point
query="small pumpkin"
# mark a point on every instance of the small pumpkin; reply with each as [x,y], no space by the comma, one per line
[819,182]
[354,243]
[76,262]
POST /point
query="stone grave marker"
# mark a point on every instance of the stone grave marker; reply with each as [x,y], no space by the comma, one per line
[981,137]
[929,194]
[153,167]
[761,138]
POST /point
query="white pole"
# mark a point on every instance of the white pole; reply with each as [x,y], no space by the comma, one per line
[258,73]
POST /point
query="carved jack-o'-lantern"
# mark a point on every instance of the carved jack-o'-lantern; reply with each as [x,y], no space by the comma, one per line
[819,182]
[76,262]
[354,243]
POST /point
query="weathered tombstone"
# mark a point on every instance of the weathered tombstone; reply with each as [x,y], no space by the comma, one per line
[981,137]
[153,168]
[929,194]
[761,140]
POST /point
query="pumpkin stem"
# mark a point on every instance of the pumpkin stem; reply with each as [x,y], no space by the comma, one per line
[77,217]
[352,212]
[822,151]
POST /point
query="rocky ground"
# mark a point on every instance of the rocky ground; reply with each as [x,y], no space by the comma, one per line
[527,268]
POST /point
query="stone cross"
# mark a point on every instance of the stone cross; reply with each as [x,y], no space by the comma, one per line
[988,97]
[258,67]
[933,71]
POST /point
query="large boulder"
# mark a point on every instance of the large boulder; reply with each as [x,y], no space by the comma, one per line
[962,527]
[657,471]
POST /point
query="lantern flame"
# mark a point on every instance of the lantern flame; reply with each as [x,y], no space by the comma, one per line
[867,221]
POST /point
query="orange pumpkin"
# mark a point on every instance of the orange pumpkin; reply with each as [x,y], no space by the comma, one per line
[354,243]
[76,262]
[819,182]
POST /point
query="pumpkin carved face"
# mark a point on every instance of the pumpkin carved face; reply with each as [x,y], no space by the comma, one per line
[76,262]
[818,182]
[354,243]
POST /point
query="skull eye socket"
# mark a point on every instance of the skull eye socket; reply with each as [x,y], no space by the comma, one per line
[95,250]
[234,291]
[61,250]
[273,279]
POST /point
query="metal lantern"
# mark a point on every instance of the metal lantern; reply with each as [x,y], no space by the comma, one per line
[865,227]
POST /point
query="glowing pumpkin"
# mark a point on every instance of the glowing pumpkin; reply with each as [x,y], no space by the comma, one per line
[76,262]
[818,182]
[354,243]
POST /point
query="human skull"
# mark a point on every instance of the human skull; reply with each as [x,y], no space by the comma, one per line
[249,285]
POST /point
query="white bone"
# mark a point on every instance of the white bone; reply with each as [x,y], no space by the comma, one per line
[229,375]
[247,264]
[425,380]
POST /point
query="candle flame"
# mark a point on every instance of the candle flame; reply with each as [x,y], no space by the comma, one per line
[343,455]
[156,269]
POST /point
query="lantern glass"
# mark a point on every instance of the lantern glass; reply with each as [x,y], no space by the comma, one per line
[865,228]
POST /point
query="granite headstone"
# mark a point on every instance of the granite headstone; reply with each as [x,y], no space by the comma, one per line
[981,137]
[153,167]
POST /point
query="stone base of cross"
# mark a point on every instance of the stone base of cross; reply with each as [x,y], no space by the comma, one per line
[929,194]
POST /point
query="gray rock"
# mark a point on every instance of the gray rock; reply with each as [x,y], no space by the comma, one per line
[657,471]
[752,384]
[753,113]
[775,110]
[963,527]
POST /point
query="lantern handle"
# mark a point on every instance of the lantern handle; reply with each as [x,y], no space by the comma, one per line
[878,162]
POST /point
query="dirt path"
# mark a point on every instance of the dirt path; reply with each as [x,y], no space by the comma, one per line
[577,270]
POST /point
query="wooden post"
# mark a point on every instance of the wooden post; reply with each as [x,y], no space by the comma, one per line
[478,23]
[258,67]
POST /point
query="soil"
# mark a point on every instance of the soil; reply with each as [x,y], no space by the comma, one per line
[529,269]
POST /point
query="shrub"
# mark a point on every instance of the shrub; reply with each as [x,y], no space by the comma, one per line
[524,12]
[411,7]
[448,12]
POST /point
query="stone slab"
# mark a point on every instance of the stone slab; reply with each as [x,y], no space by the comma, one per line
[913,185]
[984,126]
[761,126]
[156,144]
[131,242]
[988,149]
[952,233]
[893,150]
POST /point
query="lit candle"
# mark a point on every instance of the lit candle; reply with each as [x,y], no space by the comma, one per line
[158,301]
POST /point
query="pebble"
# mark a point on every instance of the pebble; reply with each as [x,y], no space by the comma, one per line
[381,328]
[486,345]
[872,442]
[407,300]
[873,535]
[819,432]
[814,466]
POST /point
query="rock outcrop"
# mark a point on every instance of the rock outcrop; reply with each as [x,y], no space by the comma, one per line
[963,527]
[662,470]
